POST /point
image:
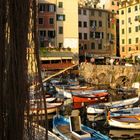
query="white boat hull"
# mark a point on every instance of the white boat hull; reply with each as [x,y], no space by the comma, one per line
[126,125]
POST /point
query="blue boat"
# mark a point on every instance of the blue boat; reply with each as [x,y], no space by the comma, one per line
[70,128]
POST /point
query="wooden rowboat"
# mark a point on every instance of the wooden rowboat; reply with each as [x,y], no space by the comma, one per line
[85,99]
[51,108]
[124,121]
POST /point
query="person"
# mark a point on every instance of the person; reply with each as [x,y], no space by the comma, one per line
[111,61]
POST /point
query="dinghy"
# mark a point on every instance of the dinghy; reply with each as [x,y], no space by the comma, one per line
[125,121]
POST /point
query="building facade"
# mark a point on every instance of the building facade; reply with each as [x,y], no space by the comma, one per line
[46,24]
[97,34]
[58,27]
[129,15]
[113,6]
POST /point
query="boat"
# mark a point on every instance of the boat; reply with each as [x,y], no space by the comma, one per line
[80,100]
[126,121]
[68,91]
[51,108]
[124,134]
[128,111]
[70,128]
[48,99]
[98,110]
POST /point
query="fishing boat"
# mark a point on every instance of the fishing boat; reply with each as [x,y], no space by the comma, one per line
[80,100]
[124,133]
[71,129]
[68,91]
[98,110]
[128,111]
[49,100]
[128,121]
[51,108]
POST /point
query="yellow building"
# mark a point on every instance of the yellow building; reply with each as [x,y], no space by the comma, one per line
[129,15]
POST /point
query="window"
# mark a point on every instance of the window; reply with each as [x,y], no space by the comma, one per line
[85,24]
[51,21]
[117,3]
[80,35]
[92,13]
[60,17]
[93,23]
[60,45]
[129,29]
[42,7]
[122,21]
[136,8]
[113,3]
[80,24]
[129,10]
[42,33]
[136,18]
[102,34]
[100,13]
[123,50]
[60,30]
[79,11]
[122,31]
[60,4]
[129,49]
[51,34]
[50,8]
[84,12]
[136,28]
[100,23]
[85,35]
[129,20]
[113,11]
[123,41]
[92,35]
[122,12]
[97,34]
[100,46]
[137,40]
[129,40]
[93,46]
[40,21]
[85,46]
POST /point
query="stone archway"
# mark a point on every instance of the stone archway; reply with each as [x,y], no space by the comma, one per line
[122,81]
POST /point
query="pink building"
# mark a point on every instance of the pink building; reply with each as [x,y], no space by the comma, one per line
[46,24]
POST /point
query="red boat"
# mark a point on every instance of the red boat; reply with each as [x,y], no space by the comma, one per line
[86,99]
